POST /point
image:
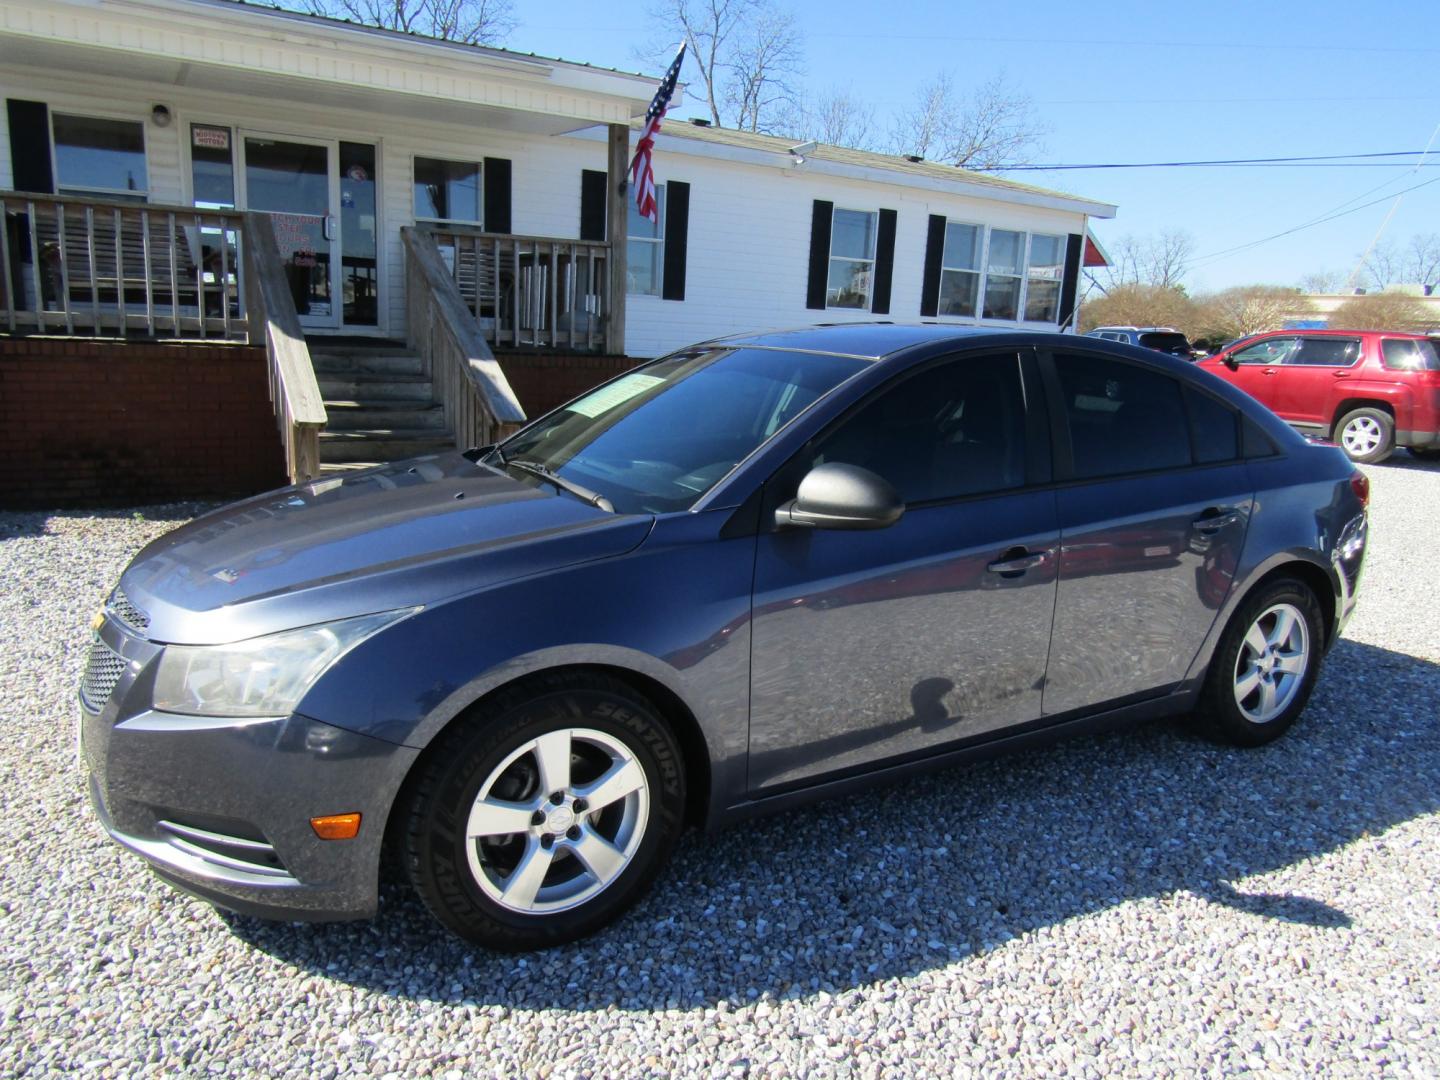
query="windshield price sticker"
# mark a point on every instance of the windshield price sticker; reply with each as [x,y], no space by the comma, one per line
[617,393]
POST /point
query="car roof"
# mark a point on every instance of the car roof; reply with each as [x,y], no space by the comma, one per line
[1317,331]
[868,341]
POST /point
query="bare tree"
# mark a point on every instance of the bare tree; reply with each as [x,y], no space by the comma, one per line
[1422,259]
[473,22]
[991,127]
[838,118]
[1382,266]
[1322,282]
[1151,260]
[1383,311]
[1249,309]
[763,69]
[747,53]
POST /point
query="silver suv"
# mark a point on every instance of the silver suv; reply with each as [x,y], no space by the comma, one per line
[1164,339]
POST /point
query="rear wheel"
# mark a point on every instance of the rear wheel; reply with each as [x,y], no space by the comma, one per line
[546,814]
[1265,666]
[1366,435]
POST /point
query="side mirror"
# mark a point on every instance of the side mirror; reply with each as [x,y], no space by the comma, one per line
[839,496]
[1231,362]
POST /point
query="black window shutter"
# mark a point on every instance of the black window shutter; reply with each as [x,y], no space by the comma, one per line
[30,146]
[934,253]
[497,195]
[593,192]
[1071,282]
[677,238]
[819,254]
[884,263]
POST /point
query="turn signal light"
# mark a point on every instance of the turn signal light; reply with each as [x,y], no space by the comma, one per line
[1360,484]
[336,826]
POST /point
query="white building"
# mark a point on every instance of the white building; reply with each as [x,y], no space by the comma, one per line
[123,117]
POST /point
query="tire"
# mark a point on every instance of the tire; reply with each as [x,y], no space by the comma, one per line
[1366,435]
[1252,694]
[550,872]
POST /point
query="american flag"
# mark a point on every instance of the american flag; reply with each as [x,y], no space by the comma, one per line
[641,172]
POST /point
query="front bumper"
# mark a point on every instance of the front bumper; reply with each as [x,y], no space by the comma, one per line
[222,808]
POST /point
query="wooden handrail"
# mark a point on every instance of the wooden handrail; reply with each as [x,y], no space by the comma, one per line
[105,267]
[299,408]
[479,405]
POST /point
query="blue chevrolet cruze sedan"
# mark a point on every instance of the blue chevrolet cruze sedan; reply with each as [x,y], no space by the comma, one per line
[759,571]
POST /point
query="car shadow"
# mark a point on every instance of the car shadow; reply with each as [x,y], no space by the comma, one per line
[920,873]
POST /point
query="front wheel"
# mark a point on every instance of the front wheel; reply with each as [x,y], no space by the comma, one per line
[1265,666]
[1366,435]
[546,814]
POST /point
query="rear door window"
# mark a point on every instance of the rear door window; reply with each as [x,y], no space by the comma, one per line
[1214,431]
[1123,418]
[1412,355]
[1325,352]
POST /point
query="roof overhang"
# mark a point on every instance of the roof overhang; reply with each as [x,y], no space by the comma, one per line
[1095,255]
[272,53]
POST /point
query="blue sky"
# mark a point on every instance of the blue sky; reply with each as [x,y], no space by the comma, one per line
[1120,82]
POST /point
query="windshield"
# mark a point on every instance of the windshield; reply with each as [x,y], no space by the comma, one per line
[1171,343]
[655,440]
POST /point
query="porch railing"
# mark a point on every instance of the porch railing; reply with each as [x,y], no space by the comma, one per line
[480,407]
[530,291]
[294,392]
[108,268]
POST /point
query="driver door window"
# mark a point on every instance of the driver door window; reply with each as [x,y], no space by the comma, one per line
[954,430]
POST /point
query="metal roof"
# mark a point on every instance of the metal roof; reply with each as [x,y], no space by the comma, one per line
[843,155]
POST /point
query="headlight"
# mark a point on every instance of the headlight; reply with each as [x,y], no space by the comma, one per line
[265,676]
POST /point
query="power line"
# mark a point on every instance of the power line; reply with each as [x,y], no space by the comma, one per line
[1309,159]
[1307,225]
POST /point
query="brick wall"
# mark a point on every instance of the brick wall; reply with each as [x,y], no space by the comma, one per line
[543,382]
[117,423]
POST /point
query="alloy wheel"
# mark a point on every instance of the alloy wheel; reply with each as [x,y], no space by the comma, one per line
[1362,436]
[557,821]
[1271,666]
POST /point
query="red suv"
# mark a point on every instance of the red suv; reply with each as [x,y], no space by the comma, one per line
[1369,391]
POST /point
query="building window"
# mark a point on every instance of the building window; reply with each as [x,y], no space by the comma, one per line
[960,270]
[852,259]
[1005,267]
[212,167]
[1043,274]
[645,249]
[447,190]
[94,156]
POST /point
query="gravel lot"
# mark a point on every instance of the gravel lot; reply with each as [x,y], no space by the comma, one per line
[1143,903]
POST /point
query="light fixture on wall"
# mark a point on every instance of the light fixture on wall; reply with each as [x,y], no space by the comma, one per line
[160,114]
[799,152]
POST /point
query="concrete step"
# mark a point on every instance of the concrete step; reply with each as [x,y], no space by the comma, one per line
[374,387]
[365,362]
[382,444]
[379,413]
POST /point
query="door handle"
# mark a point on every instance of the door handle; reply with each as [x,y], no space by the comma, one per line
[1016,561]
[1267,371]
[1340,374]
[1215,519]
[329,227]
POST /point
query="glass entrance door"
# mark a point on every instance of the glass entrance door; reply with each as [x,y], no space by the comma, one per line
[296,182]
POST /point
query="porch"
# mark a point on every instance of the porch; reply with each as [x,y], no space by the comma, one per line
[125,271]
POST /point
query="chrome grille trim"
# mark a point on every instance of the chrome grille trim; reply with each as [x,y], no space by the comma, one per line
[226,852]
[127,612]
[103,669]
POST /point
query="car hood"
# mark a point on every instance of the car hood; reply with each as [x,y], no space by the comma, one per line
[397,536]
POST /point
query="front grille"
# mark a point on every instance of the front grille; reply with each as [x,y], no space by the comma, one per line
[221,849]
[127,612]
[102,671]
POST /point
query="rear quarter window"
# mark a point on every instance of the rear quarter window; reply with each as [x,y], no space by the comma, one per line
[1400,354]
[1123,418]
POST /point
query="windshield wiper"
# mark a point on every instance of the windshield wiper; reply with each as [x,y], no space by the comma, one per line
[534,468]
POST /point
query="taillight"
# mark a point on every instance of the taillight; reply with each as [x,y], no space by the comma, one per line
[1360,484]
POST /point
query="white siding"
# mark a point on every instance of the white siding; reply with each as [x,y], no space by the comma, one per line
[749,236]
